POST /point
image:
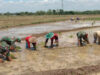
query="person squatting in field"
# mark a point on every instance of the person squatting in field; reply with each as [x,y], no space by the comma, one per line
[82,38]
[10,41]
[97,37]
[32,40]
[4,52]
[52,37]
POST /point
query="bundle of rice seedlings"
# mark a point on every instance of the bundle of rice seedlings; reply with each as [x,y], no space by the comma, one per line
[12,56]
[18,48]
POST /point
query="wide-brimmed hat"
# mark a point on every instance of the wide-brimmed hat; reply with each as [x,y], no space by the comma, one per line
[49,35]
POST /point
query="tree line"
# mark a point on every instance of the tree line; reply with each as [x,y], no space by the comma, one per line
[53,12]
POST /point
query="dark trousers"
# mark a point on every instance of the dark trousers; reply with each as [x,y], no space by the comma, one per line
[34,45]
[52,41]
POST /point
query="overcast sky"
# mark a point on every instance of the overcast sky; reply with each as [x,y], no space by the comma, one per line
[35,5]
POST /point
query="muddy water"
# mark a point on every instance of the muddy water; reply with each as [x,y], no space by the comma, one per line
[41,28]
[66,56]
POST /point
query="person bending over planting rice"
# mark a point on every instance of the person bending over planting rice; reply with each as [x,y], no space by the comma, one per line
[5,51]
[52,37]
[82,38]
[10,41]
[32,40]
[97,37]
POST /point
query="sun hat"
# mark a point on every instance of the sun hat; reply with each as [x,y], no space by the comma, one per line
[49,35]
[18,39]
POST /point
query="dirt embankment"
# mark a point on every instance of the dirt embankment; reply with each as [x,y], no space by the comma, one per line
[86,70]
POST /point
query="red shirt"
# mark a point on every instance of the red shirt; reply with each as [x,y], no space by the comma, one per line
[27,38]
[55,35]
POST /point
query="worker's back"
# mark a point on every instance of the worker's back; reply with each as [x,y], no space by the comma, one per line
[97,33]
[81,33]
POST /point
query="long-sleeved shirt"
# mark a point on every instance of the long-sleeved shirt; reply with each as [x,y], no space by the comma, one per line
[81,34]
[8,40]
[97,33]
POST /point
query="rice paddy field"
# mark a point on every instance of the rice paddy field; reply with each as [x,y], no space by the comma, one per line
[67,59]
[11,21]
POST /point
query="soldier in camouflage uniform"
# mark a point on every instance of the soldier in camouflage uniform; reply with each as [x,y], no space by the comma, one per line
[4,51]
[82,36]
[11,42]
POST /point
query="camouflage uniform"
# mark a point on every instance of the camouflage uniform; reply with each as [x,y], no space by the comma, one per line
[4,50]
[10,42]
[82,36]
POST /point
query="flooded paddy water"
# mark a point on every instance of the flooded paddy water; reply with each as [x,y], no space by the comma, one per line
[67,56]
[41,28]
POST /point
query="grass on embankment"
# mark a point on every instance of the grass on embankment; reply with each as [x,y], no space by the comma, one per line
[96,19]
[11,21]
